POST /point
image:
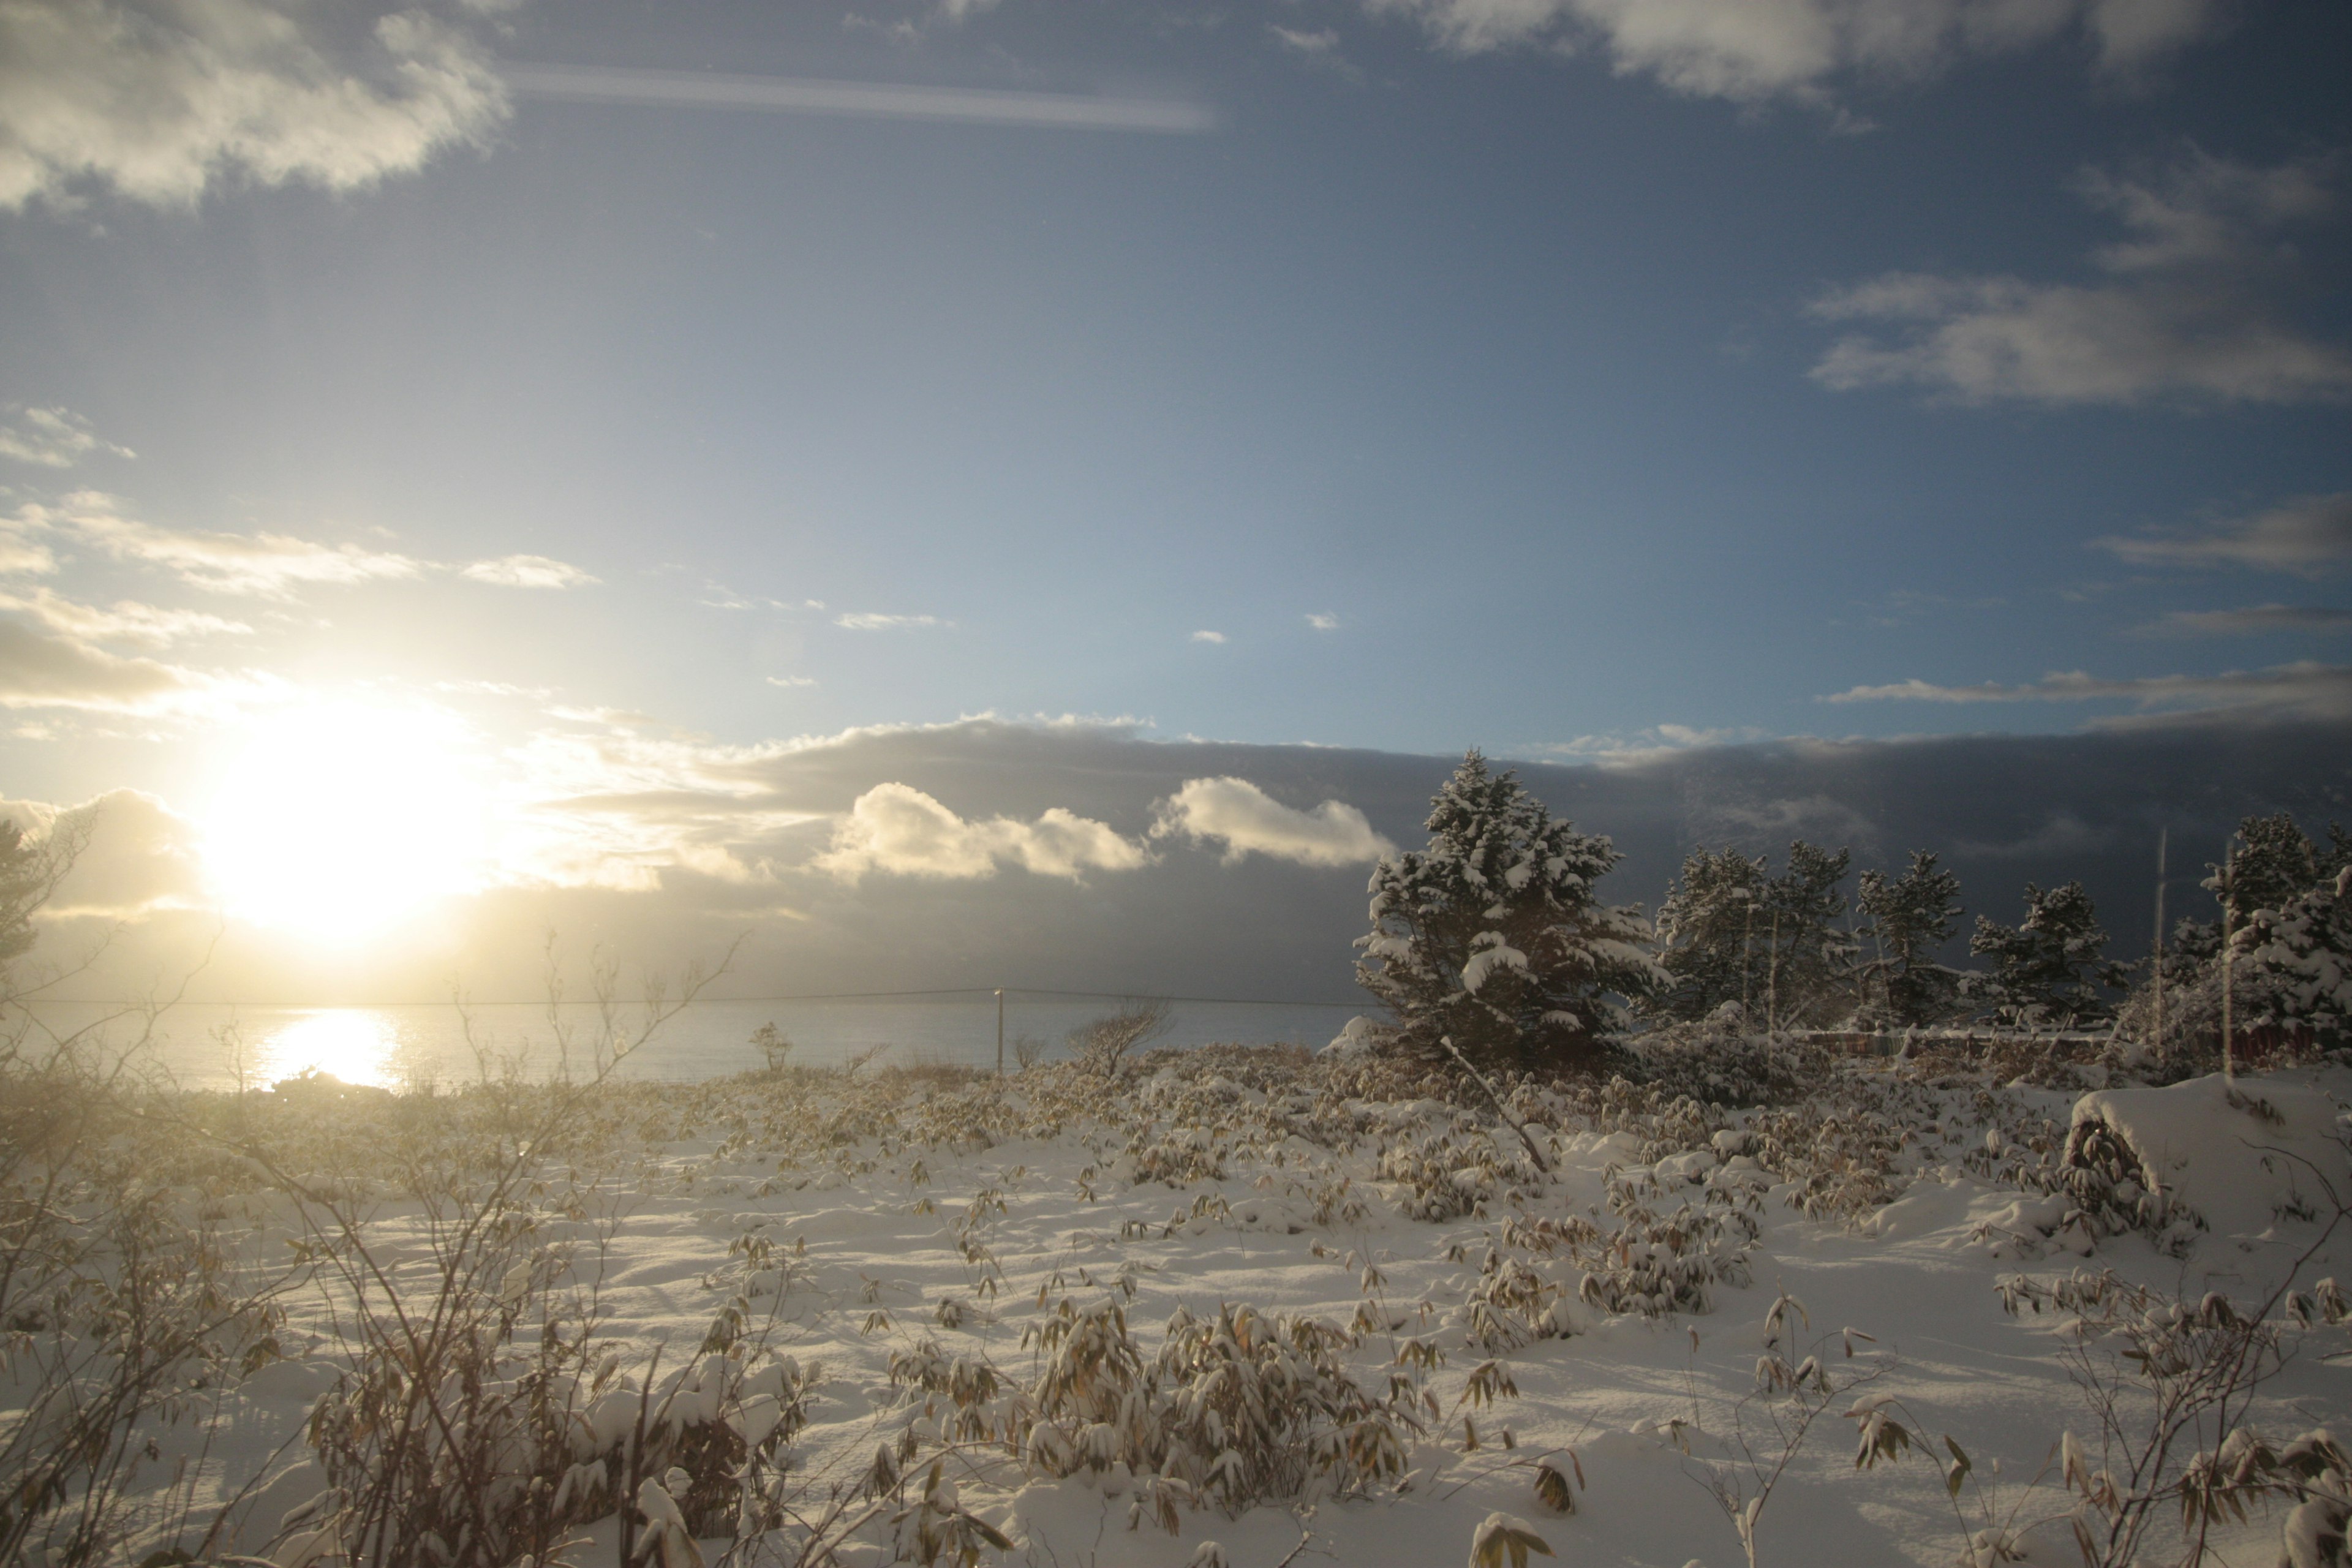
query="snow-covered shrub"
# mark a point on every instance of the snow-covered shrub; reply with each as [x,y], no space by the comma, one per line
[1510,1305]
[1246,1408]
[1451,1173]
[1719,1061]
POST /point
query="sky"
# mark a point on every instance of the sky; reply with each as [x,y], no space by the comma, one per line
[467,468]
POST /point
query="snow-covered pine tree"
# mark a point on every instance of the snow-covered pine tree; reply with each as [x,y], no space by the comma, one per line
[1811,978]
[2050,971]
[1910,917]
[1492,936]
[2292,966]
[1708,940]
[1730,931]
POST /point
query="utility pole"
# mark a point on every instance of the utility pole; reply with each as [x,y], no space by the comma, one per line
[2162,836]
[1000,1031]
[2229,915]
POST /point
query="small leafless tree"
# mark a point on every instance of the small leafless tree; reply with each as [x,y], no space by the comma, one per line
[1101,1044]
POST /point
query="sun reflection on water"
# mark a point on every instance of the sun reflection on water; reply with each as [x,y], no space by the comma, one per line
[348,1043]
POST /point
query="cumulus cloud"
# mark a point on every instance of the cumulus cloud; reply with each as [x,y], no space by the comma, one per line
[900,831]
[54,438]
[528,572]
[2310,535]
[2252,620]
[37,671]
[1754,51]
[1248,821]
[138,856]
[125,620]
[868,621]
[160,99]
[2186,310]
[2304,689]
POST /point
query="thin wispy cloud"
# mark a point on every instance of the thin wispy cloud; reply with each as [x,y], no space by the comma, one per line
[889,100]
[2310,536]
[125,620]
[870,621]
[1646,745]
[1247,821]
[2303,689]
[1799,50]
[792,682]
[2252,620]
[264,565]
[2187,310]
[157,104]
[54,438]
[528,572]
[1324,622]
[1208,636]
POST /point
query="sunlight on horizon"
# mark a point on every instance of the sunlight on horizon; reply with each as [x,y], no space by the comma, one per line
[338,820]
[347,1043]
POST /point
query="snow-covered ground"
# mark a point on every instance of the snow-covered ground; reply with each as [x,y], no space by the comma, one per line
[852,1223]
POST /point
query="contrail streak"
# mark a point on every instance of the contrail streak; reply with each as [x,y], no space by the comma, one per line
[798,95]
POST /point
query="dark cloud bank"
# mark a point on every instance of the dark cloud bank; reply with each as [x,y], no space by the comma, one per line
[2003,810]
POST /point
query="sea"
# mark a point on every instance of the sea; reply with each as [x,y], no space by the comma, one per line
[410,1048]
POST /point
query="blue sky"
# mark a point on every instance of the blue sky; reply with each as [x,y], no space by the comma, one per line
[1575,378]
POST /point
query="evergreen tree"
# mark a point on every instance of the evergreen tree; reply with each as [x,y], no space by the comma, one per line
[1492,937]
[2293,964]
[1730,931]
[1807,979]
[1910,918]
[2051,970]
[2273,864]
[1707,932]
[25,880]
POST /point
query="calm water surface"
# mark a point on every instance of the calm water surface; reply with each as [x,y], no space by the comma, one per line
[401,1046]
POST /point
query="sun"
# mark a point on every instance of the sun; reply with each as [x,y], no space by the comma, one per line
[338,820]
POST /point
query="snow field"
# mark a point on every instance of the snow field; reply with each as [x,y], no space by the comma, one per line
[855,1225]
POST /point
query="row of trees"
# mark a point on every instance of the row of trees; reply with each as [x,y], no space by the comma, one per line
[1493,942]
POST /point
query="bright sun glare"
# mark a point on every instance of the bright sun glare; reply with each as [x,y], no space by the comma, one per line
[338,820]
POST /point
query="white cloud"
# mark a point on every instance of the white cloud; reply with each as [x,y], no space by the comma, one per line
[900,831]
[2184,313]
[1325,622]
[2310,535]
[792,682]
[1647,745]
[1248,821]
[38,671]
[888,100]
[55,438]
[2252,620]
[2303,689]
[268,565]
[1208,636]
[21,555]
[528,571]
[868,621]
[139,856]
[161,101]
[1320,44]
[1753,51]
[126,620]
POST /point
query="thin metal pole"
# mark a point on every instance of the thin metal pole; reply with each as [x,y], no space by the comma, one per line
[2163,834]
[1000,1032]
[2228,913]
